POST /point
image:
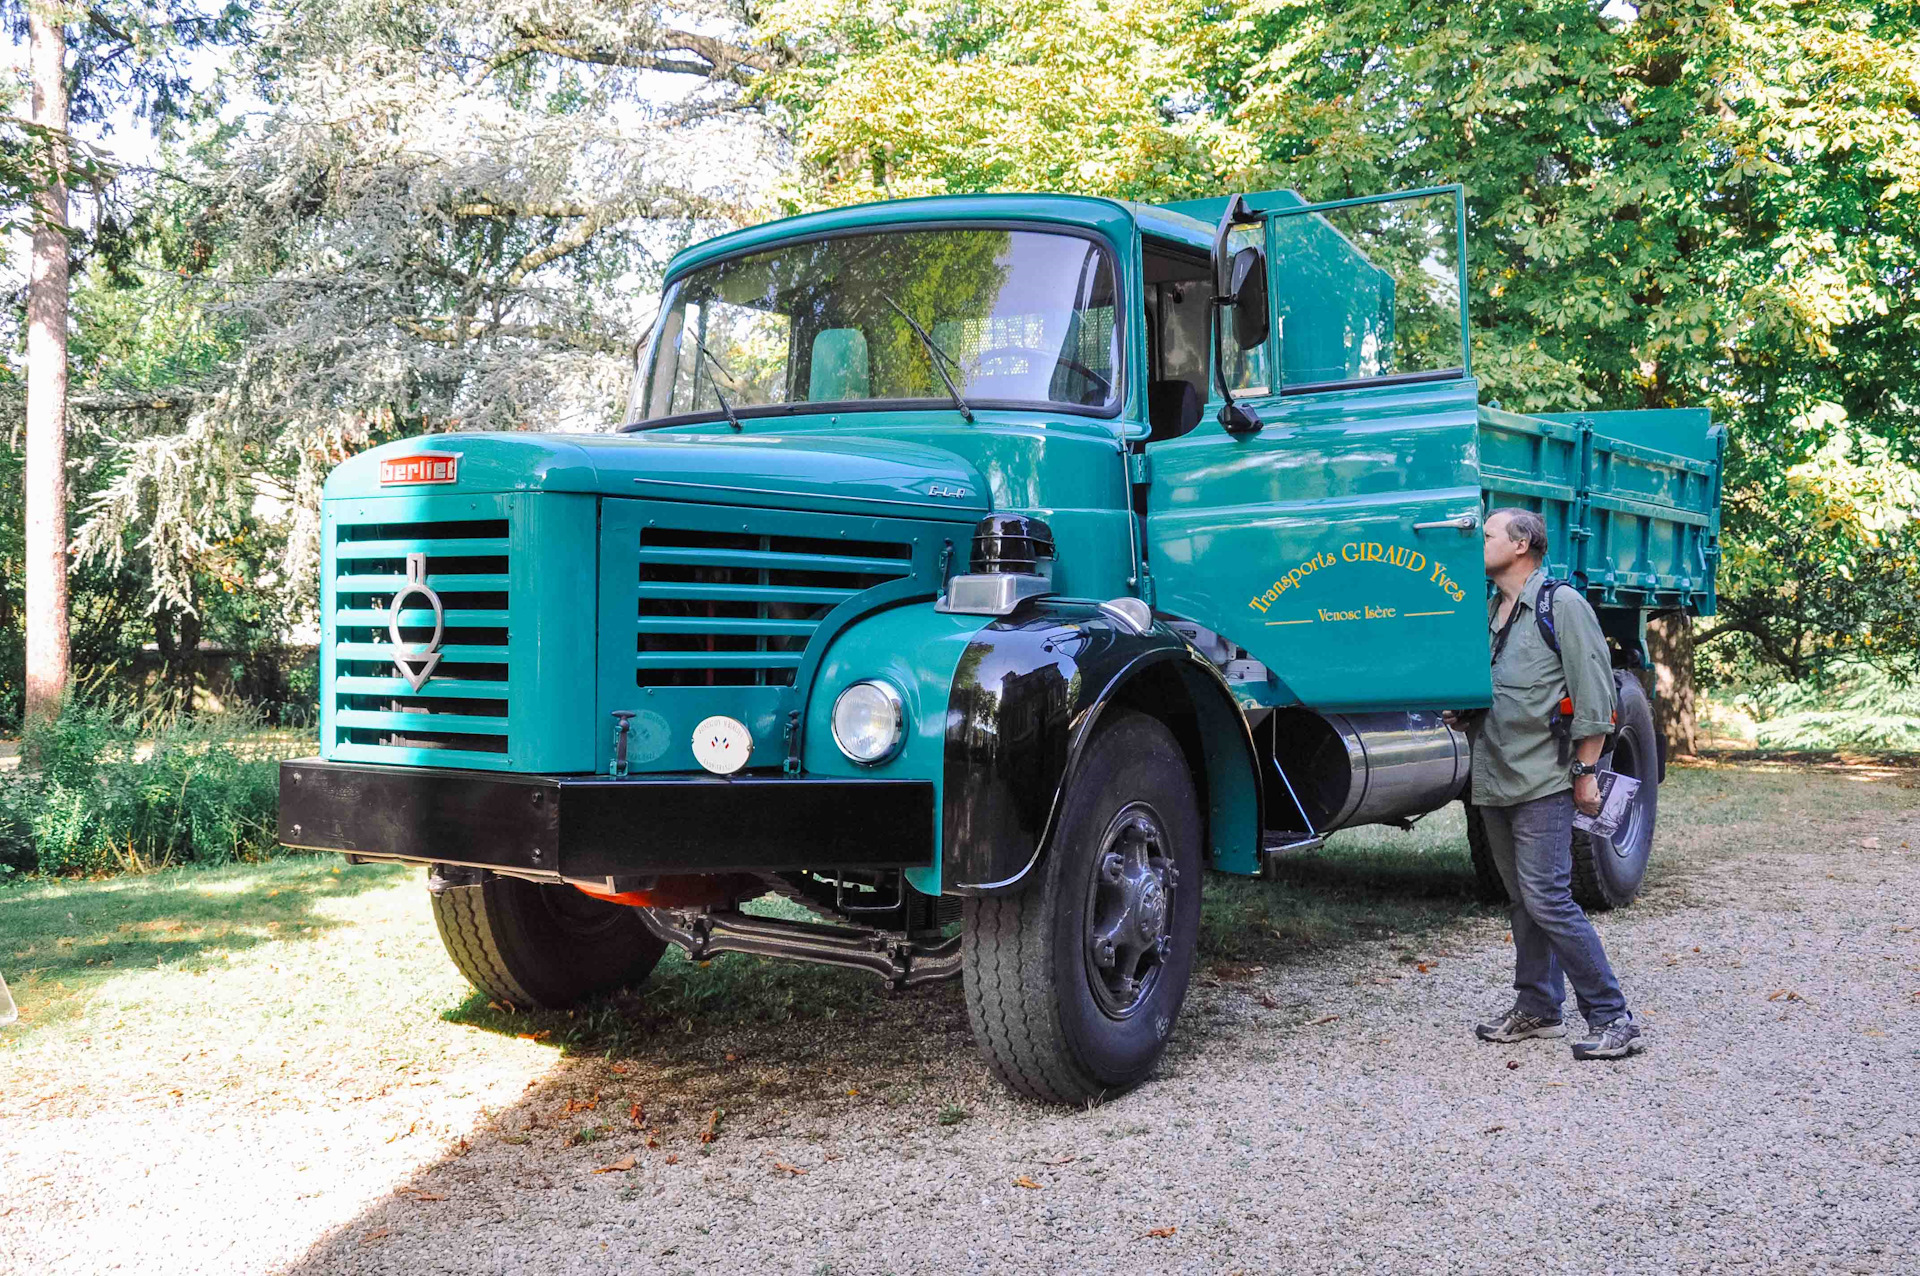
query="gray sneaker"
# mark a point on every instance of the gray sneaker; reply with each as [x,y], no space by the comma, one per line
[1614,1040]
[1515,1025]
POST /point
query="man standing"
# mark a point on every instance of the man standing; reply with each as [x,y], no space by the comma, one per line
[1527,783]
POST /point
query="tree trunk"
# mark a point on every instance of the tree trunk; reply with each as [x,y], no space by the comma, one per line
[46,463]
[1670,646]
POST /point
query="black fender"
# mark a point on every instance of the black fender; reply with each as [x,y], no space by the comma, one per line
[1027,695]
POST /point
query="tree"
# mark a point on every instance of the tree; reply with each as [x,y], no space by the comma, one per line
[1700,202]
[446,216]
[45,477]
[121,56]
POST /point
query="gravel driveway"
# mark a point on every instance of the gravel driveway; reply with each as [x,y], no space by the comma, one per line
[1326,1114]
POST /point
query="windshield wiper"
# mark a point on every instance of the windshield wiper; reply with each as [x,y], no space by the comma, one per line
[940,357]
[733,418]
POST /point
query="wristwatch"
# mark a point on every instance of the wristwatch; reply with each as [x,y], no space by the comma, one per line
[1581,768]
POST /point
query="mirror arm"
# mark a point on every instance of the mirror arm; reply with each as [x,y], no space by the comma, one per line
[1235,418]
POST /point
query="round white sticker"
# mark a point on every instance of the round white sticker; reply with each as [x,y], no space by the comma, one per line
[722,744]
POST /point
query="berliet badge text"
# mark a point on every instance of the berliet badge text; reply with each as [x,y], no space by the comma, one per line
[441,468]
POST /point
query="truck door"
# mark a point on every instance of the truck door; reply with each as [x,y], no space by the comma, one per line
[1339,542]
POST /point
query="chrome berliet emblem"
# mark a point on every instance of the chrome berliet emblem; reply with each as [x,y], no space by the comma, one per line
[415,661]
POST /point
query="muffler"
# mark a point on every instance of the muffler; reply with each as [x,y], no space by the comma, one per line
[1341,769]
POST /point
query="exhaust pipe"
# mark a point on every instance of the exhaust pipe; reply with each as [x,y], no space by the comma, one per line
[1342,769]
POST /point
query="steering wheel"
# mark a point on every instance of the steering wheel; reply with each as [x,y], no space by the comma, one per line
[1061,361]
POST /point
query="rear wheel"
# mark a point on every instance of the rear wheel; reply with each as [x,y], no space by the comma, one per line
[530,944]
[1607,871]
[1487,883]
[1073,984]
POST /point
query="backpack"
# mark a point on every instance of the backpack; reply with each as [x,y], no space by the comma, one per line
[1543,609]
[1561,721]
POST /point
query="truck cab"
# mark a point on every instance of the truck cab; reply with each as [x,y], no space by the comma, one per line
[976,573]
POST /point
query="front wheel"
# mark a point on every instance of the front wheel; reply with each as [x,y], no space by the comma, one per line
[1074,983]
[530,944]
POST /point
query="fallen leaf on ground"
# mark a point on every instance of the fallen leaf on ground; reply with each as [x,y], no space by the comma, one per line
[375,1235]
[788,1169]
[429,1196]
[1029,1184]
[1422,967]
[673,1158]
[620,1068]
[653,1138]
[1159,1233]
[1266,1000]
[403,1133]
[541,1035]
[1323,1019]
[732,1058]
[1493,1129]
[1902,930]
[637,1114]
[624,1163]
[712,1131]
[1789,994]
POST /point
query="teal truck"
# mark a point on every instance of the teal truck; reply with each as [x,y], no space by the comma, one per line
[976,573]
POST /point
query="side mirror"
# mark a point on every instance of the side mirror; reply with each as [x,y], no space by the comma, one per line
[1248,290]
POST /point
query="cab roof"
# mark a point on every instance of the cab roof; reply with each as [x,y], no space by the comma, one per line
[1116,220]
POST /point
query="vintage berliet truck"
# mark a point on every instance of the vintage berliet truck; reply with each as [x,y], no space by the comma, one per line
[977,573]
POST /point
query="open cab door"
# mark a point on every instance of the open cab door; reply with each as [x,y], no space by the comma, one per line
[1325,513]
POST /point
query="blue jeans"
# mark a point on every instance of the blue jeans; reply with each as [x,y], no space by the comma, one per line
[1532,845]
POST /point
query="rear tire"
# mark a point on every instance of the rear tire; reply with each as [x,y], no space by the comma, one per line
[1070,990]
[536,945]
[1488,886]
[1607,872]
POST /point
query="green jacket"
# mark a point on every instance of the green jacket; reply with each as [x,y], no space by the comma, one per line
[1515,757]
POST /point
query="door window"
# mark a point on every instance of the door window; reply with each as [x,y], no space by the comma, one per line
[1368,289]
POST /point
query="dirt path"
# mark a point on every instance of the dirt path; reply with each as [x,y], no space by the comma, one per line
[1321,1114]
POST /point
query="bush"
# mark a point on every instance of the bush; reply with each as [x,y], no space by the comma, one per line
[1856,707]
[112,790]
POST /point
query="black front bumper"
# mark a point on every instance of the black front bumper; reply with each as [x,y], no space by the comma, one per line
[590,828]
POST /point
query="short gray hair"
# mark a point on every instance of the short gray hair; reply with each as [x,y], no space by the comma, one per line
[1528,524]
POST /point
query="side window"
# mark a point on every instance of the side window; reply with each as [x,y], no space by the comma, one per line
[1368,289]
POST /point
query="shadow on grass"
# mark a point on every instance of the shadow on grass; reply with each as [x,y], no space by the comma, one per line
[1368,886]
[61,940]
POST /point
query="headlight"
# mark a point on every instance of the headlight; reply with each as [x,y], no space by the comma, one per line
[868,722]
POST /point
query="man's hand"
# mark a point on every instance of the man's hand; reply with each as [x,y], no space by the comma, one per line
[1586,794]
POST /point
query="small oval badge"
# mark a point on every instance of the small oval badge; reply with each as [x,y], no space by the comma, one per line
[722,744]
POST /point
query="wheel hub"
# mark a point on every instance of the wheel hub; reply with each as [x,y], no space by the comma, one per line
[1130,912]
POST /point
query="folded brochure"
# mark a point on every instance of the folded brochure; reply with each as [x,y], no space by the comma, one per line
[1616,795]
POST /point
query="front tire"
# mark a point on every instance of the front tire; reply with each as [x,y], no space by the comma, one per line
[1073,984]
[534,945]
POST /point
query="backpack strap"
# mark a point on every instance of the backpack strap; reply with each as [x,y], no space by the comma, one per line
[1543,610]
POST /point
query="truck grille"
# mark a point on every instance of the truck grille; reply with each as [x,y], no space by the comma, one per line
[463,707]
[737,609]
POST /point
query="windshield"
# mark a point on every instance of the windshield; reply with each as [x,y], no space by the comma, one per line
[1014,317]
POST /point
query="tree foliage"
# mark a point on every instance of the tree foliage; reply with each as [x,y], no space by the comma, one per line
[444,216]
[1693,202]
